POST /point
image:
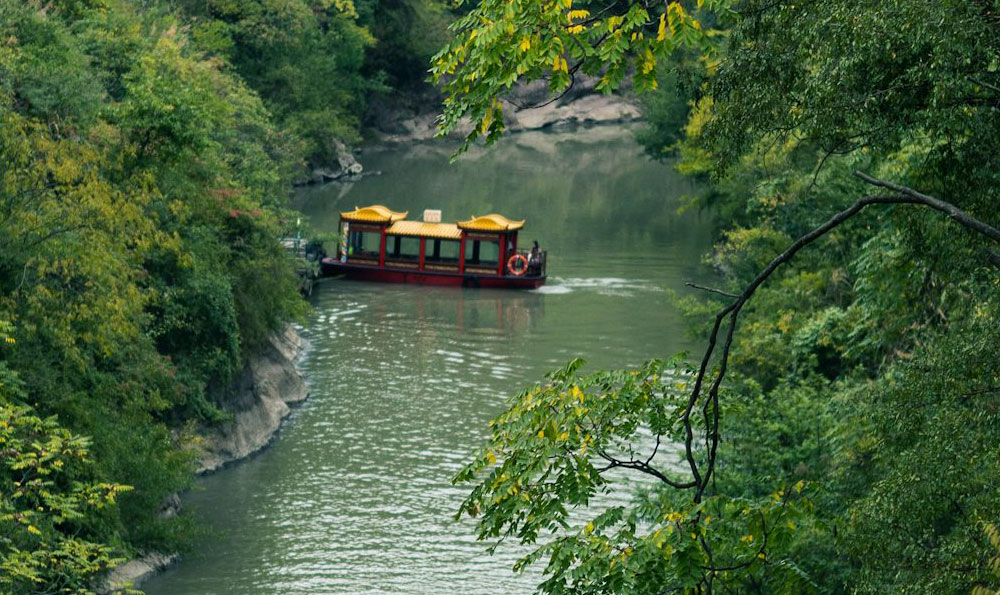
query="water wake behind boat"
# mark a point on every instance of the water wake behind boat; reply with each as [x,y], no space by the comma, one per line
[612,286]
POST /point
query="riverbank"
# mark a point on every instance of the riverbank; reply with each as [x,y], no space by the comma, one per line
[528,107]
[356,496]
[258,401]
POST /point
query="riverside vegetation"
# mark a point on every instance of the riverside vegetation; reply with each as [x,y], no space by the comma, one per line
[842,439]
[843,436]
[146,155]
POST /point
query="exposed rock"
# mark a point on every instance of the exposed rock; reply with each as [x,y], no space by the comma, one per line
[346,167]
[134,572]
[526,107]
[258,402]
[348,164]
[587,110]
[322,175]
[171,507]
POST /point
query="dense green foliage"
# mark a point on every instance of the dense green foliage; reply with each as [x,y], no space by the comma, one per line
[407,33]
[317,63]
[141,193]
[146,156]
[302,57]
[43,506]
[859,411]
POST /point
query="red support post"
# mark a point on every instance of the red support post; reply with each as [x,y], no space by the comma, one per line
[503,254]
[461,255]
[381,250]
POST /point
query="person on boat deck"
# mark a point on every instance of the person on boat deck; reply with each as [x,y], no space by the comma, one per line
[534,259]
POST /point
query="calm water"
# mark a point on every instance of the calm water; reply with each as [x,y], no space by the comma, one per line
[355,496]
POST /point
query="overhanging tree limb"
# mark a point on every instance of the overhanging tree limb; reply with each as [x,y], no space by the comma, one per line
[956,214]
[730,314]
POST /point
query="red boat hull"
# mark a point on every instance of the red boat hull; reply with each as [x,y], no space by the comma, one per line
[332,266]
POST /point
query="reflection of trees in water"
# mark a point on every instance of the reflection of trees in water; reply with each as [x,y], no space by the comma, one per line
[589,192]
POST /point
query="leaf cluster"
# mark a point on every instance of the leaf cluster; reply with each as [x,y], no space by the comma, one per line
[42,504]
[499,42]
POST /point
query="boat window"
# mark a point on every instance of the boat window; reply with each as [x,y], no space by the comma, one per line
[482,253]
[443,251]
[402,248]
[363,244]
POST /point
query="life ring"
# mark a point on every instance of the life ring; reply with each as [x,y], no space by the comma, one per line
[515,270]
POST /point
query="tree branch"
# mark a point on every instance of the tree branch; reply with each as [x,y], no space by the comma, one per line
[956,214]
[644,468]
[730,314]
[712,290]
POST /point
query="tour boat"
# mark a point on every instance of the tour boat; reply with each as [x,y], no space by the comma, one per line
[379,244]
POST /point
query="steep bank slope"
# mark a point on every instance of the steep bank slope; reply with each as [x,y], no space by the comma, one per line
[259,400]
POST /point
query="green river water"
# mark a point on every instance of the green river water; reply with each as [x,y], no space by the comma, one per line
[354,495]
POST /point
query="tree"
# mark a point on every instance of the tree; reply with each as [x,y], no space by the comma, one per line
[142,189]
[44,498]
[499,43]
[850,336]
[302,57]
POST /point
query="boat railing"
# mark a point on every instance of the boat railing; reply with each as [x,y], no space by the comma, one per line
[536,264]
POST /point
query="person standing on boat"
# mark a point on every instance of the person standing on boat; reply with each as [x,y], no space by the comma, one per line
[534,259]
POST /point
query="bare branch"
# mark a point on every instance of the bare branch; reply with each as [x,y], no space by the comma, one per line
[711,290]
[730,314]
[642,467]
[956,214]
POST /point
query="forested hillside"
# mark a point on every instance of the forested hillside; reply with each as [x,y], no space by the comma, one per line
[146,155]
[840,435]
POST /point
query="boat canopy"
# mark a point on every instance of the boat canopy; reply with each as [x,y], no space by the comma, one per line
[373,214]
[380,214]
[492,222]
[445,231]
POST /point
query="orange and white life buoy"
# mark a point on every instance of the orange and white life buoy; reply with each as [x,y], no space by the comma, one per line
[517,265]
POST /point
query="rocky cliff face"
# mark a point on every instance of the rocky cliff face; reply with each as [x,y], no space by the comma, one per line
[258,401]
[526,107]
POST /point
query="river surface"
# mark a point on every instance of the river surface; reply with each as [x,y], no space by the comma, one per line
[354,496]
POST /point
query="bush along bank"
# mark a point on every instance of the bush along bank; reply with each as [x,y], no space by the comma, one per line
[142,189]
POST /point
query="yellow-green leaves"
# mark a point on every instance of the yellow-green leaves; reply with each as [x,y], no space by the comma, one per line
[502,42]
[42,501]
[548,450]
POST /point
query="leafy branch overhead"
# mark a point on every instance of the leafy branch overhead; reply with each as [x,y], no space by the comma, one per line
[551,450]
[43,506]
[501,42]
[863,370]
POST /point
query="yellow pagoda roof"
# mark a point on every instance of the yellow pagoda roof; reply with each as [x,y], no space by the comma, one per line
[374,214]
[446,231]
[492,222]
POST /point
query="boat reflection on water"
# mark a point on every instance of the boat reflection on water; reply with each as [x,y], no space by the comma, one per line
[502,312]
[477,311]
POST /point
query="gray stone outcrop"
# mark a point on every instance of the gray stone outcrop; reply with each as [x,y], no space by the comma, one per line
[525,107]
[258,401]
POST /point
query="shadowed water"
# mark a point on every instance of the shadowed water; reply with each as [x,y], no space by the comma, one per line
[355,496]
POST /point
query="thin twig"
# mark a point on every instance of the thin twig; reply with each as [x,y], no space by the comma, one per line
[712,290]
[730,314]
